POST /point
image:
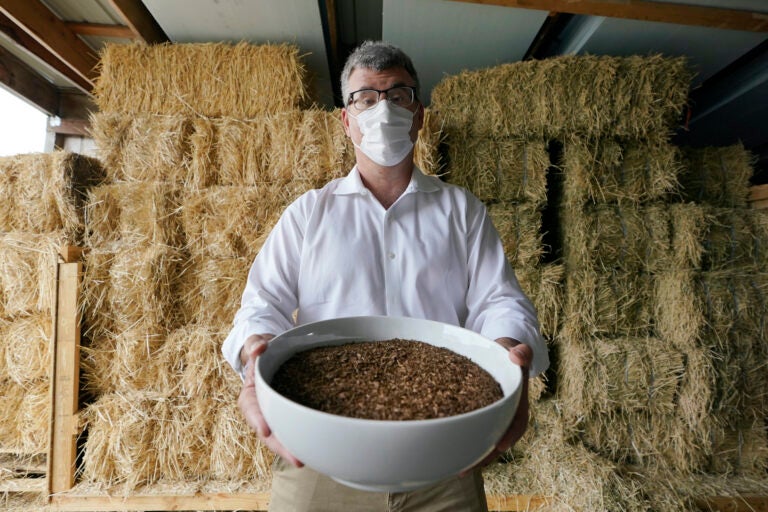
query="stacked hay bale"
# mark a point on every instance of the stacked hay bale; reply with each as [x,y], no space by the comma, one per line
[41,209]
[202,158]
[713,301]
[626,394]
[503,158]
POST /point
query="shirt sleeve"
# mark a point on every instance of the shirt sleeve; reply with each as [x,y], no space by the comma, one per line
[497,307]
[270,295]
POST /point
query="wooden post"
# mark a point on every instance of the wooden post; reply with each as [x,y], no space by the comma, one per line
[65,377]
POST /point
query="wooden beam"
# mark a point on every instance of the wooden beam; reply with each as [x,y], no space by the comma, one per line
[65,378]
[213,501]
[734,504]
[101,30]
[69,126]
[39,22]
[19,78]
[140,20]
[30,45]
[223,501]
[683,14]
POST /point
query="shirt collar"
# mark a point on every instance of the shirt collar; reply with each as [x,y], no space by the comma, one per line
[353,183]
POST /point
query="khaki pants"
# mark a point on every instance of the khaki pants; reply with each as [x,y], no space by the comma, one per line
[305,490]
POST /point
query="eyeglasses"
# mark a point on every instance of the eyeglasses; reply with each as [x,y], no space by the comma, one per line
[363,99]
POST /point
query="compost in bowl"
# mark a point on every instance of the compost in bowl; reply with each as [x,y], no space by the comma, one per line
[387,455]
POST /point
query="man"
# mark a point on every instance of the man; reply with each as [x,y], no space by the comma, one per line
[385,240]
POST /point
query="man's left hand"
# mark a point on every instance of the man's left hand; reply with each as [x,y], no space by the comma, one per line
[521,355]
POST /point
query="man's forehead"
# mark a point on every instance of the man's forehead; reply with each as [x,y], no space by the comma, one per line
[367,76]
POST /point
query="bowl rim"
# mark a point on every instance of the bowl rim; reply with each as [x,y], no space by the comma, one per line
[502,402]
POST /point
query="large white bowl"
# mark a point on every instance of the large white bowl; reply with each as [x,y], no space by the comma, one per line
[387,456]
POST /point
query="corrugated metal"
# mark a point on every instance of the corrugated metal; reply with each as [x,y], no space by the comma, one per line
[447,37]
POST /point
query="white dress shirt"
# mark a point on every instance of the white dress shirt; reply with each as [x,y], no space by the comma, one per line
[433,254]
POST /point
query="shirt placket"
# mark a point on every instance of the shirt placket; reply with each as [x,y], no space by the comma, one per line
[392,264]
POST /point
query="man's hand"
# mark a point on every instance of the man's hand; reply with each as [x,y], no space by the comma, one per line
[521,355]
[248,402]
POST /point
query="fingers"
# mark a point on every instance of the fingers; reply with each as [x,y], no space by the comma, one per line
[254,346]
[248,401]
[521,355]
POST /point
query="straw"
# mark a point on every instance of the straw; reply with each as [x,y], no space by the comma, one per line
[210,79]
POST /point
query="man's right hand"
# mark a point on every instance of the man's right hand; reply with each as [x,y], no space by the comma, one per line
[248,402]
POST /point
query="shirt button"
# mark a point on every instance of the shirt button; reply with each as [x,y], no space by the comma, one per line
[391,255]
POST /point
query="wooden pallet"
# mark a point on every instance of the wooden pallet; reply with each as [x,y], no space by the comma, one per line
[63,495]
[758,197]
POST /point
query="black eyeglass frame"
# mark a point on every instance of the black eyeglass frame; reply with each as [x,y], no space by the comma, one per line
[414,96]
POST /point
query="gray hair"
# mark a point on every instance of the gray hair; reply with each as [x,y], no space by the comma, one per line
[378,56]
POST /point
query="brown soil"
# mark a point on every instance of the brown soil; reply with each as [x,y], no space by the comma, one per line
[386,380]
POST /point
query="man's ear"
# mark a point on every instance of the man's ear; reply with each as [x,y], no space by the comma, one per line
[345,121]
[419,116]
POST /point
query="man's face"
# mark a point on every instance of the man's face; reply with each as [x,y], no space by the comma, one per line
[362,78]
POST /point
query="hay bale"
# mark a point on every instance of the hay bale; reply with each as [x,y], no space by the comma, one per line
[147,148]
[44,192]
[28,264]
[544,285]
[143,284]
[28,349]
[634,97]
[190,364]
[606,237]
[125,360]
[735,238]
[500,169]
[519,226]
[134,213]
[740,450]
[118,448]
[236,150]
[213,288]
[236,453]
[25,422]
[660,442]
[229,221]
[237,80]
[550,465]
[718,176]
[609,171]
[614,303]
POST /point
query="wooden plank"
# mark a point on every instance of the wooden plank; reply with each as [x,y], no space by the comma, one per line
[519,502]
[734,504]
[140,20]
[224,501]
[758,192]
[101,30]
[70,253]
[761,204]
[644,10]
[65,379]
[30,46]
[38,21]
[213,501]
[23,81]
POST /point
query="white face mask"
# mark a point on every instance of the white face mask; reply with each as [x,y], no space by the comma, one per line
[386,130]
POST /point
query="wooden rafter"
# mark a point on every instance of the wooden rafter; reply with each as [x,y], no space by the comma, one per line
[140,20]
[39,22]
[31,46]
[18,77]
[644,10]
[101,30]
